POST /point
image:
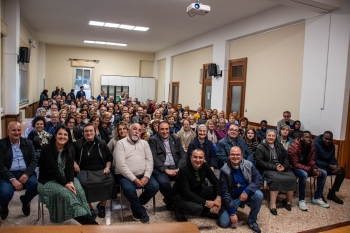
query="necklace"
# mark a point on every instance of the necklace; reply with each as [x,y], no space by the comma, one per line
[90,149]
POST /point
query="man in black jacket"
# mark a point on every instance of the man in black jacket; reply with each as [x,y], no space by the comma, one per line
[17,166]
[168,155]
[190,196]
[71,94]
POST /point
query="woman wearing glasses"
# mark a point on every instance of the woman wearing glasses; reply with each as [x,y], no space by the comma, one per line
[75,131]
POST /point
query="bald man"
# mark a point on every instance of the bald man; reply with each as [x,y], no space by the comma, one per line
[17,165]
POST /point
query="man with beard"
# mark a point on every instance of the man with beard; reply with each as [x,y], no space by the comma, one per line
[134,166]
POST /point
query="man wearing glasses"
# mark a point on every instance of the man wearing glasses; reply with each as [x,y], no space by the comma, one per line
[286,120]
[230,140]
[190,196]
[240,183]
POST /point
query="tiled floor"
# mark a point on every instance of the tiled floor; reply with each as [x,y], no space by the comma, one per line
[285,221]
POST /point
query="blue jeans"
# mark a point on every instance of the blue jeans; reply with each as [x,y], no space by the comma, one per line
[255,200]
[303,175]
[7,190]
[129,190]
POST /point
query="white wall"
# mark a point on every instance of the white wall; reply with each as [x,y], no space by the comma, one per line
[325,86]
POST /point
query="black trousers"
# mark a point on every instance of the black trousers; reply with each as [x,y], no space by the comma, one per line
[192,208]
[338,179]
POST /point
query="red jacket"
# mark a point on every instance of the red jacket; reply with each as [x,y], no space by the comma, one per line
[295,151]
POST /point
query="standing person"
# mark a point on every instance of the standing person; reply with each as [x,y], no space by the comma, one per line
[61,192]
[285,121]
[302,158]
[81,93]
[93,162]
[71,94]
[168,155]
[190,196]
[325,159]
[134,166]
[17,166]
[63,93]
[43,96]
[186,135]
[240,183]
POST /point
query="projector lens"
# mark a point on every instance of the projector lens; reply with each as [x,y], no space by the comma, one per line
[196,6]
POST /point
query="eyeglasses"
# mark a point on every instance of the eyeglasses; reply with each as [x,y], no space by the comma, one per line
[235,155]
[71,122]
[286,116]
[234,130]
[197,176]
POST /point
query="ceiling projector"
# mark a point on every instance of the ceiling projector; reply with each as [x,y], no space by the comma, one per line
[197,9]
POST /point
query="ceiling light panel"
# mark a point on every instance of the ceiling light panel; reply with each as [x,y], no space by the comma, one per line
[143,29]
[121,44]
[96,23]
[100,42]
[104,43]
[111,43]
[89,41]
[128,27]
[112,25]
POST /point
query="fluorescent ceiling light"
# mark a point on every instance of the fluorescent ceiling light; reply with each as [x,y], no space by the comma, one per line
[100,42]
[111,43]
[128,27]
[96,23]
[112,25]
[137,28]
[121,44]
[89,41]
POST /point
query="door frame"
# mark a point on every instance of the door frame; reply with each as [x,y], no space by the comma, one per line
[205,82]
[175,84]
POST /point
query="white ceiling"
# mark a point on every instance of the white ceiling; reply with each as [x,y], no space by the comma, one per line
[65,22]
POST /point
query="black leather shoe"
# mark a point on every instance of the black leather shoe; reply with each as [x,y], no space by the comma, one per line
[4,211]
[25,205]
[101,211]
[273,211]
[286,205]
[180,217]
[331,196]
[93,214]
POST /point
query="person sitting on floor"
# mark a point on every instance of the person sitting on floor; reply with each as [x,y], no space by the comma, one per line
[273,162]
[59,190]
[189,194]
[325,159]
[134,166]
[17,166]
[240,182]
[302,158]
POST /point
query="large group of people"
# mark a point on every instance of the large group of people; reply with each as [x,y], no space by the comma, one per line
[202,163]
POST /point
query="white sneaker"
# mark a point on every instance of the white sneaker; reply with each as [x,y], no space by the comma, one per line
[320,202]
[302,205]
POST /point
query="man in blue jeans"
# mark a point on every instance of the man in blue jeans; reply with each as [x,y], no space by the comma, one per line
[302,159]
[17,166]
[134,165]
[240,183]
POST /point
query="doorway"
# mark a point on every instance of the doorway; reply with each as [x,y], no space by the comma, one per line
[206,88]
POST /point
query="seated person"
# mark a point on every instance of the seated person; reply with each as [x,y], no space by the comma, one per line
[174,128]
[302,159]
[285,121]
[134,166]
[251,139]
[190,196]
[202,142]
[168,156]
[186,135]
[243,125]
[273,162]
[296,132]
[230,140]
[260,133]
[17,165]
[38,135]
[240,182]
[325,159]
[52,125]
[283,137]
[221,130]
[61,192]
[92,157]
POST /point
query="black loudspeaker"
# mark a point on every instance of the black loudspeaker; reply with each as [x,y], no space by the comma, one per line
[24,55]
[212,69]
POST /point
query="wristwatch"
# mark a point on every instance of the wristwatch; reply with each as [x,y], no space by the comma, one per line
[206,204]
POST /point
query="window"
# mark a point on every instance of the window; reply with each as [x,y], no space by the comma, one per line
[83,77]
[22,82]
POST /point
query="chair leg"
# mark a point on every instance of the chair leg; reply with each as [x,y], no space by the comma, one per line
[154,205]
[39,212]
[121,203]
[42,213]
[331,181]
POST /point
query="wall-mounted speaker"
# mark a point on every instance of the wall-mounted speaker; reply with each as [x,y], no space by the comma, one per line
[212,69]
[24,55]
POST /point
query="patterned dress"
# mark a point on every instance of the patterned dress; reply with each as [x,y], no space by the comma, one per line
[62,203]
